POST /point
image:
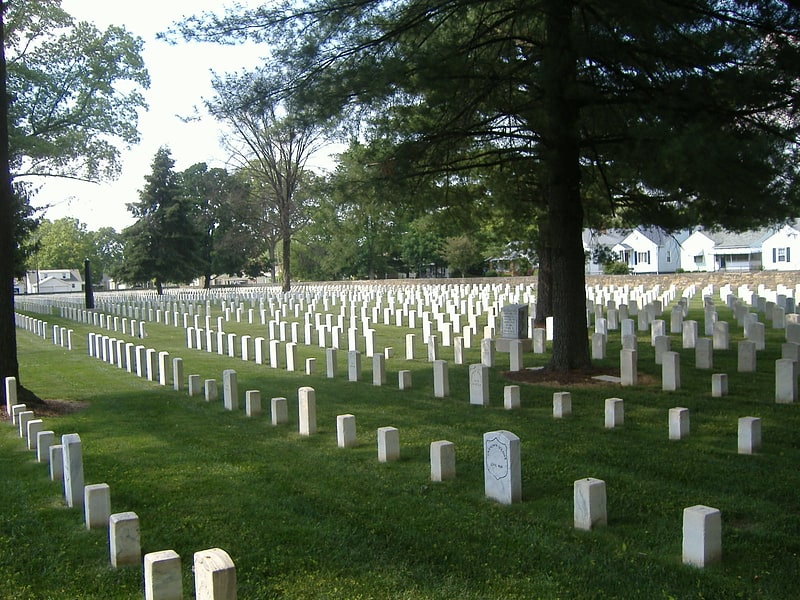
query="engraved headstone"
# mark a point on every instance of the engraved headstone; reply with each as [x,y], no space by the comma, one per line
[502,471]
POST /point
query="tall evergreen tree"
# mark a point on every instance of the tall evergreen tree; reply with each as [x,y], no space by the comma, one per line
[681,112]
[163,244]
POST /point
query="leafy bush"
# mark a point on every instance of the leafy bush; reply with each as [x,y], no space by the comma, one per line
[616,268]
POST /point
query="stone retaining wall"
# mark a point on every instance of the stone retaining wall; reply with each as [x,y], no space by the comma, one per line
[770,279]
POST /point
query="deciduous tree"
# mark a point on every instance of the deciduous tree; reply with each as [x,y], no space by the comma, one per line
[273,141]
[220,205]
[75,92]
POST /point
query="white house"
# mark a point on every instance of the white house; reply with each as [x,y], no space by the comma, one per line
[739,251]
[781,250]
[53,281]
[697,253]
[596,239]
[708,251]
[650,250]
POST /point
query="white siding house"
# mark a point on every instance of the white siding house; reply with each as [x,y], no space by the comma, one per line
[739,251]
[650,250]
[781,250]
[697,253]
[594,240]
[53,281]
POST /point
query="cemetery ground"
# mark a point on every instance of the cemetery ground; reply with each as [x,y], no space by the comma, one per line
[303,518]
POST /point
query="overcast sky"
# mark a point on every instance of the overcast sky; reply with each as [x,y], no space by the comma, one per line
[180,78]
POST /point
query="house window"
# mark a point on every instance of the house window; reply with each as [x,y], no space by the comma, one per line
[669,256]
[643,257]
[700,259]
[780,255]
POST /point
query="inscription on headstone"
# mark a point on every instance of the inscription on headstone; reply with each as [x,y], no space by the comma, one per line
[502,469]
[514,321]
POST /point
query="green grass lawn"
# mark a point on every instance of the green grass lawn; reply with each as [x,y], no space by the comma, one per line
[302,518]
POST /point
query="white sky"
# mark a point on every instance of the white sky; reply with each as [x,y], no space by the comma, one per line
[180,78]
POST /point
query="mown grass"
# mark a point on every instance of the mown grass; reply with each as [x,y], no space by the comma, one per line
[302,518]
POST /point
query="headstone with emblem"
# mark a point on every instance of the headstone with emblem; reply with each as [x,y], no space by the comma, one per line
[502,472]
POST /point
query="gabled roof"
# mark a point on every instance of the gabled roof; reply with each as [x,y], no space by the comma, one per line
[603,237]
[660,237]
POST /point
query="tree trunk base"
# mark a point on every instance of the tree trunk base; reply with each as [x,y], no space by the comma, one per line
[27,397]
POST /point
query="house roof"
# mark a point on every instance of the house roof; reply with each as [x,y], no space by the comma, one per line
[604,237]
[747,240]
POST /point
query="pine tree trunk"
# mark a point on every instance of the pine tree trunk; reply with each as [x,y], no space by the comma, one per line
[544,278]
[565,211]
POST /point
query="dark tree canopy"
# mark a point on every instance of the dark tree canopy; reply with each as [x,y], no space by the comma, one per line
[220,205]
[662,112]
[163,245]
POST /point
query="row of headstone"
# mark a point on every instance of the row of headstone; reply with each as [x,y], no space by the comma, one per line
[61,336]
[213,569]
[443,326]
[123,325]
[145,362]
[37,327]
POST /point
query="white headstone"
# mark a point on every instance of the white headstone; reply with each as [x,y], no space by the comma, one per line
[330,363]
[441,379]
[72,469]
[502,469]
[378,369]
[671,371]
[214,575]
[177,374]
[252,403]
[479,385]
[749,435]
[44,440]
[702,536]
[678,423]
[230,390]
[562,404]
[628,367]
[786,371]
[511,397]
[388,444]
[279,408]
[97,505]
[443,460]
[746,354]
[123,539]
[56,462]
[307,405]
[614,412]
[719,385]
[589,497]
[404,380]
[211,391]
[346,431]
[162,576]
